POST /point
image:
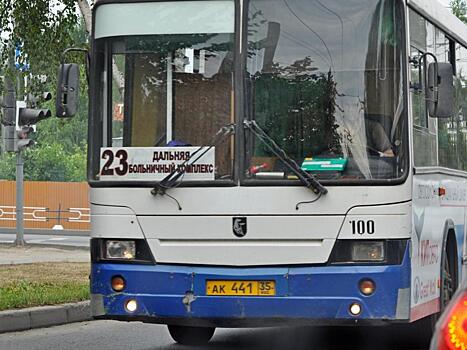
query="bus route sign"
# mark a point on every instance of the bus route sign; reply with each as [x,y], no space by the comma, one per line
[155,163]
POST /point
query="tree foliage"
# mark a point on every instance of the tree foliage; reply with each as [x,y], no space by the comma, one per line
[44,29]
[459,8]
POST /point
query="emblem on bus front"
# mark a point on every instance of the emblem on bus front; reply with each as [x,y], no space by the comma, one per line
[239,226]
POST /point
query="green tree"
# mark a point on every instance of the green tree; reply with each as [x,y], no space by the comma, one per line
[44,29]
[459,8]
[49,162]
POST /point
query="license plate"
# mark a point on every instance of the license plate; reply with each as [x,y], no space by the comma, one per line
[241,288]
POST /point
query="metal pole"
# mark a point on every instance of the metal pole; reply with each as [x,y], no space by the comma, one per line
[19,201]
[19,176]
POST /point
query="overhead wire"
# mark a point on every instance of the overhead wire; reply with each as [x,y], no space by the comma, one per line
[342,28]
[292,38]
[311,30]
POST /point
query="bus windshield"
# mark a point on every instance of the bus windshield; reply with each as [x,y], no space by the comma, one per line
[325,81]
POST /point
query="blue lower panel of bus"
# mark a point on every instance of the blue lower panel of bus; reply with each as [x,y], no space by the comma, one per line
[325,292]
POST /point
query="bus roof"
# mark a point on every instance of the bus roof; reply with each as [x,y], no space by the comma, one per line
[436,13]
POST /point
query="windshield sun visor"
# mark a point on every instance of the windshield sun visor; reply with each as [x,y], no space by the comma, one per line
[158,18]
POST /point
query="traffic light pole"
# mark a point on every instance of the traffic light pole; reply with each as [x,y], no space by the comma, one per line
[19,180]
[19,200]
[19,177]
[18,121]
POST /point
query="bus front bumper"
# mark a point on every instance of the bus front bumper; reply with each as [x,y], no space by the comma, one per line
[175,294]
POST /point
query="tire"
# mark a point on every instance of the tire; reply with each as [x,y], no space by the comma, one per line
[448,280]
[186,335]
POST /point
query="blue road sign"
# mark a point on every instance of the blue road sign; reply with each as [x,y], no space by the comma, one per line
[21,63]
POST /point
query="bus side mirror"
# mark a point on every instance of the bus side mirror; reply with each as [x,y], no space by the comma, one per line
[440,90]
[67,90]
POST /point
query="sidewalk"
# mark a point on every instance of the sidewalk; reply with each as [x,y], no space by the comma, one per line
[60,238]
[44,316]
[9,254]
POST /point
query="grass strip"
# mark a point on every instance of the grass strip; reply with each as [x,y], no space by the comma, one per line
[29,285]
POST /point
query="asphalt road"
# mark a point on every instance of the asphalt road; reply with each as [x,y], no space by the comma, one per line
[110,335]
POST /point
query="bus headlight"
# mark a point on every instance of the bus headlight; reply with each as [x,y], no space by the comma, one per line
[368,251]
[120,250]
[387,252]
[131,251]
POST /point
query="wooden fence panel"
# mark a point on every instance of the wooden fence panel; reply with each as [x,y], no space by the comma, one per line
[47,204]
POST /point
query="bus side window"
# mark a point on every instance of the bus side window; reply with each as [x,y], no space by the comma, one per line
[417,88]
[418,46]
[460,84]
[424,129]
[448,136]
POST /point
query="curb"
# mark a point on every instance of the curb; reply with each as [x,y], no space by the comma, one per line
[44,316]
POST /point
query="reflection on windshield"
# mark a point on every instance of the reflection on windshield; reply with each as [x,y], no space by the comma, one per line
[176,90]
[325,82]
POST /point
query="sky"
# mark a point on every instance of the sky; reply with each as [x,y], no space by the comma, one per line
[444,2]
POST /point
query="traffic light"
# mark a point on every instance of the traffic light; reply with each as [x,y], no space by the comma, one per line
[30,116]
[22,138]
[8,138]
[8,117]
[34,100]
[18,121]
[26,118]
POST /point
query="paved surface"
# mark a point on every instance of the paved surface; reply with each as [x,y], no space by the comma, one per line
[10,254]
[72,241]
[110,335]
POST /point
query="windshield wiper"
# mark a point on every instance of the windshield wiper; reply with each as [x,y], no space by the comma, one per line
[174,178]
[307,179]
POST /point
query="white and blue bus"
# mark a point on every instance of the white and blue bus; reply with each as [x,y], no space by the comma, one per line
[262,162]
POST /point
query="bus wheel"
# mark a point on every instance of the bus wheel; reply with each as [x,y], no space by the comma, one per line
[448,285]
[186,335]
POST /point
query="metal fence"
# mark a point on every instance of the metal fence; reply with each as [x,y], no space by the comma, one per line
[47,205]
